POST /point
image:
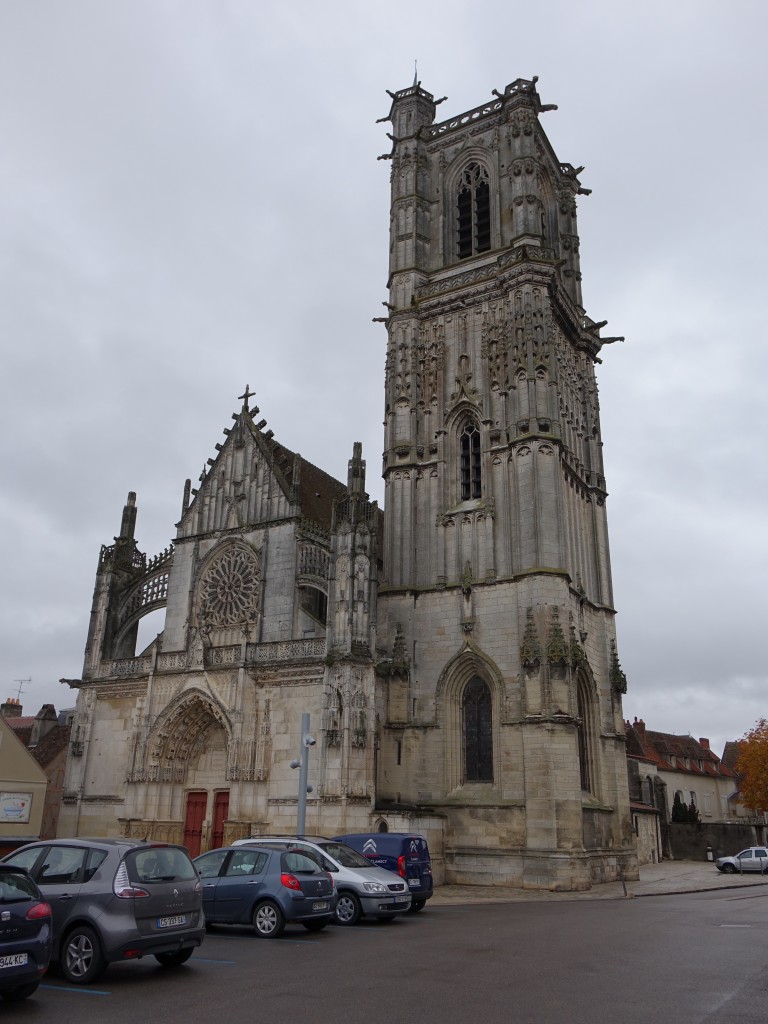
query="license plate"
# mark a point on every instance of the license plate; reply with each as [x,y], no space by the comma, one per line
[414,883]
[14,960]
[320,905]
[171,922]
[402,899]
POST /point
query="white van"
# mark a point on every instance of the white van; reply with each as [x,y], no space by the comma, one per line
[363,887]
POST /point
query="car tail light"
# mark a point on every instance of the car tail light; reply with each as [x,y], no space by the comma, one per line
[123,888]
[38,911]
[330,879]
[401,867]
[290,881]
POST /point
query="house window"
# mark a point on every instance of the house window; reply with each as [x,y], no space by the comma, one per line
[469,446]
[474,212]
[478,737]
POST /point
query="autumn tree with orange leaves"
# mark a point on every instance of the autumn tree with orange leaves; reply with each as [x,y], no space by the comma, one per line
[752,767]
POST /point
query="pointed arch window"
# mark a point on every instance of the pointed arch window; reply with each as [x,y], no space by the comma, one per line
[469,448]
[474,211]
[584,726]
[478,735]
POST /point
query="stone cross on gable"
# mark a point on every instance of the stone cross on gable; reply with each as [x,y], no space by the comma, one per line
[245,397]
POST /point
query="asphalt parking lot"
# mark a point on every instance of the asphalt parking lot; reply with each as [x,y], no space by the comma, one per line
[687,958]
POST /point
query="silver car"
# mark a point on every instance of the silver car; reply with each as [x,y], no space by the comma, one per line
[362,887]
[755,858]
[116,899]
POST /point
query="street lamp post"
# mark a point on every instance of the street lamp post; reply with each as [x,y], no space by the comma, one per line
[302,762]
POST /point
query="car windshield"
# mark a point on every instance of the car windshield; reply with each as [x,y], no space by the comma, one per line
[346,856]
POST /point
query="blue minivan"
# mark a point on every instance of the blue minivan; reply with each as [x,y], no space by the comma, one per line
[405,853]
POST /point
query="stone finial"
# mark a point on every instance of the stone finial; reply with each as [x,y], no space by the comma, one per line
[356,470]
[578,657]
[557,647]
[530,648]
[617,676]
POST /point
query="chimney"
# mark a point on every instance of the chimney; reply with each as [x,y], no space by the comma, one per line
[12,708]
[704,742]
[45,720]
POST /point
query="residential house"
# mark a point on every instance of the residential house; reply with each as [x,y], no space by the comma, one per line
[23,786]
[46,737]
[687,767]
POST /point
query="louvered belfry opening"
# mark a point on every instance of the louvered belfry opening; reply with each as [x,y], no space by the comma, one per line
[474,212]
[470,462]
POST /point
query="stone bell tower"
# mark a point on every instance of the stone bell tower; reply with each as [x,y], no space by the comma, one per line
[504,712]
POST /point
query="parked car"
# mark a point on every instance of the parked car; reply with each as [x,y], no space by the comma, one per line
[116,899]
[405,853]
[25,934]
[265,887]
[755,858]
[362,887]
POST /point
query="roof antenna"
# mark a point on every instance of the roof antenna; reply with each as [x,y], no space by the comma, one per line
[22,683]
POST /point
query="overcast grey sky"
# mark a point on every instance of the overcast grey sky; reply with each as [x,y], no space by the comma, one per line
[190,201]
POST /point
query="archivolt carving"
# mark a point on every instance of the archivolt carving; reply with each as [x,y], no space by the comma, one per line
[180,735]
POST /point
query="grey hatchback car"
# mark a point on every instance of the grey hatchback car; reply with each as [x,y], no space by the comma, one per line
[116,899]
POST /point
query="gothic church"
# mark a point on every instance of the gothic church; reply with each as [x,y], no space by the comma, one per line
[456,651]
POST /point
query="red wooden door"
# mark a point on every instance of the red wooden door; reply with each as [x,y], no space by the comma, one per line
[220,812]
[193,822]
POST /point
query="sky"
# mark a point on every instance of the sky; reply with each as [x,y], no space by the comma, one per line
[191,201]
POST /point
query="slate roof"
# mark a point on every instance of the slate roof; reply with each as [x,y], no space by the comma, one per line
[51,744]
[670,752]
[22,727]
[731,755]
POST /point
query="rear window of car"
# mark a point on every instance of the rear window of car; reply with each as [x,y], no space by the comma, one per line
[299,863]
[160,864]
[15,886]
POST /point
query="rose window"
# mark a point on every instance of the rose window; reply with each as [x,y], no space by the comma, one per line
[229,589]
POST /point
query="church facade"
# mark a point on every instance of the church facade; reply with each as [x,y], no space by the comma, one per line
[456,652]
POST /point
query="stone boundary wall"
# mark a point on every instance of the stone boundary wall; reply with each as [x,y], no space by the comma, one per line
[690,841]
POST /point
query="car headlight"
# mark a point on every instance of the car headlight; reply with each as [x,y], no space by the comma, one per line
[374,887]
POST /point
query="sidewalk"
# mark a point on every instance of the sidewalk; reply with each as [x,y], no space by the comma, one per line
[655,880]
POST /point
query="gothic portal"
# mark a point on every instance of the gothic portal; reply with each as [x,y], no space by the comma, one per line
[457,651]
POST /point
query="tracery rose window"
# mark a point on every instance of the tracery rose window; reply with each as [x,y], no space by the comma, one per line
[229,588]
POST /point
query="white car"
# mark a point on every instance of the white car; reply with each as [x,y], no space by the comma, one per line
[753,859]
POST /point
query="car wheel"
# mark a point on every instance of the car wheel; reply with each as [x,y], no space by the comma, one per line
[348,909]
[416,906]
[317,924]
[174,959]
[15,995]
[268,920]
[81,958]
[729,869]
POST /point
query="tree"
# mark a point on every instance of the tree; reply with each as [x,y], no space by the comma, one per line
[752,767]
[679,810]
